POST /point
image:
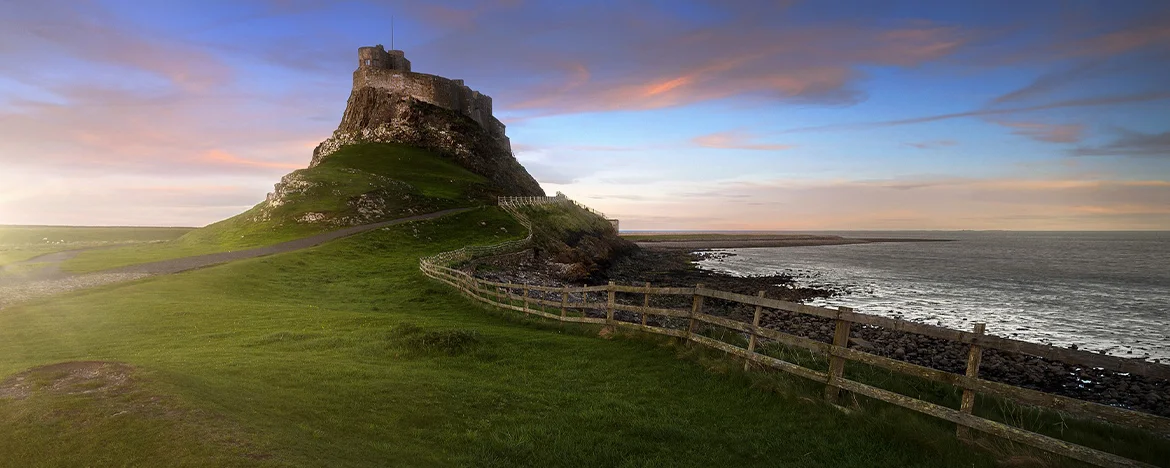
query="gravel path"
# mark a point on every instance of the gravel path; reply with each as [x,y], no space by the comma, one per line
[49,280]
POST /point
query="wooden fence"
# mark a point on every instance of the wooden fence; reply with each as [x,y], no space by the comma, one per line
[521,298]
[559,198]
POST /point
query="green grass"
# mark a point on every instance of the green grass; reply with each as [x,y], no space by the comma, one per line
[564,222]
[1125,441]
[345,355]
[19,243]
[412,180]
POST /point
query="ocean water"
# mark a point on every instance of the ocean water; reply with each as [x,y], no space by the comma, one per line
[1102,291]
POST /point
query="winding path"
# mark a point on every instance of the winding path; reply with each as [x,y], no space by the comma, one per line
[50,280]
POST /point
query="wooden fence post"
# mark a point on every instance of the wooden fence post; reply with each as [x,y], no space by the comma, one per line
[696,309]
[609,304]
[837,363]
[974,358]
[564,300]
[747,363]
[645,303]
[526,298]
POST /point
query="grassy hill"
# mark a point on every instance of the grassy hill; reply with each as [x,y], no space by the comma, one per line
[359,184]
[345,355]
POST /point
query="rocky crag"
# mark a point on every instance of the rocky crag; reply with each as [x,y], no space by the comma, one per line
[391,104]
[382,161]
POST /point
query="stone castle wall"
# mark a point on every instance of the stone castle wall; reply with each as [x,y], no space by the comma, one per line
[390,70]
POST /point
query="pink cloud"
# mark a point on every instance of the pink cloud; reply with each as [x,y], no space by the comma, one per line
[932,144]
[1052,133]
[85,32]
[657,59]
[1147,32]
[221,157]
[736,140]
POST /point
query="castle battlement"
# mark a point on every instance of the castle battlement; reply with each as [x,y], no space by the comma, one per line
[390,70]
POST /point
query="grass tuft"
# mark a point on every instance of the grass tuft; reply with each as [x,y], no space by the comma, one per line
[448,342]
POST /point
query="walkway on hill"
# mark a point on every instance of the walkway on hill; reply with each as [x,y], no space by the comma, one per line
[51,280]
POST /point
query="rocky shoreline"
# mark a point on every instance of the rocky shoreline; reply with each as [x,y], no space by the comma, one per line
[676,268]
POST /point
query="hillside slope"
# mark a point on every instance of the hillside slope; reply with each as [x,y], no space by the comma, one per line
[566,234]
[358,184]
[346,355]
[379,115]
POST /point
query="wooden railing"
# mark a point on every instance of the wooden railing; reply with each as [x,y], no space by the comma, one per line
[520,298]
[559,198]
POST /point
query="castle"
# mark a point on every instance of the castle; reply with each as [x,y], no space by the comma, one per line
[389,103]
[390,70]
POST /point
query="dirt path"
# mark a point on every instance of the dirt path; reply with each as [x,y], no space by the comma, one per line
[48,279]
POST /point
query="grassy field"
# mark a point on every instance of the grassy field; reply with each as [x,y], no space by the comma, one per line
[18,243]
[345,355]
[411,181]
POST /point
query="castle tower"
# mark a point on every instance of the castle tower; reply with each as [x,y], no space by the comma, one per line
[379,57]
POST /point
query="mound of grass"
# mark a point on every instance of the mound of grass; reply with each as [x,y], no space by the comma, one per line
[449,342]
[359,184]
[564,222]
[304,354]
[567,233]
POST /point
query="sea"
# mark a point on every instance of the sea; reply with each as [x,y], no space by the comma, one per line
[1101,291]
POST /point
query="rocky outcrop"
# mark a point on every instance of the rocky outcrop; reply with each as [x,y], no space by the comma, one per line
[380,115]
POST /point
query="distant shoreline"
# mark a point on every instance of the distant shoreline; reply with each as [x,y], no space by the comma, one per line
[730,241]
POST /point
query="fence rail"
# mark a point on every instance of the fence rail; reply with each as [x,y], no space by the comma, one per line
[559,198]
[520,298]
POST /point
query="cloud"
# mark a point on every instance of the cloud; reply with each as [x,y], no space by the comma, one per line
[928,203]
[49,32]
[1145,145]
[1095,101]
[932,144]
[736,140]
[1051,133]
[1053,80]
[219,156]
[108,130]
[1146,31]
[652,57]
[1085,56]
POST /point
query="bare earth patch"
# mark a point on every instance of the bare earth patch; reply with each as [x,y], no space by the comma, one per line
[69,378]
[97,400]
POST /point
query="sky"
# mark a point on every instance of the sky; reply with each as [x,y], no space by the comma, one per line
[680,114]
